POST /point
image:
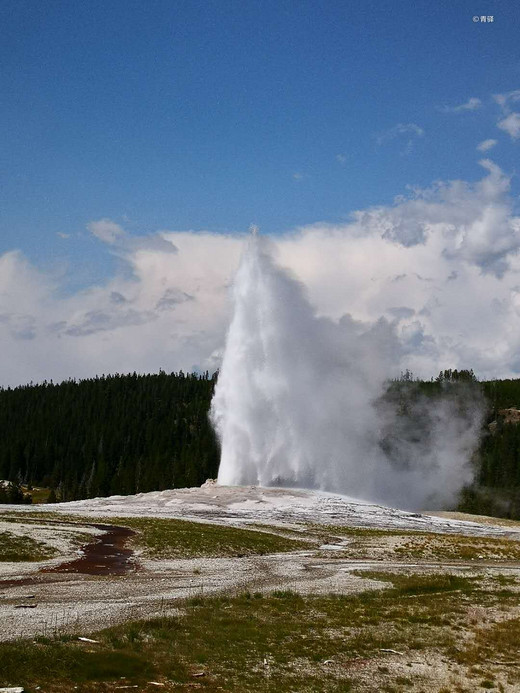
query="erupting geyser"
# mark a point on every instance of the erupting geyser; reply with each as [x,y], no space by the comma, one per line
[297,402]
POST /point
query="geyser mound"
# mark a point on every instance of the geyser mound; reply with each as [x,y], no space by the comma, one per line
[298,401]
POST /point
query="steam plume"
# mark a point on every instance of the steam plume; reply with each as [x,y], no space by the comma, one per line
[298,401]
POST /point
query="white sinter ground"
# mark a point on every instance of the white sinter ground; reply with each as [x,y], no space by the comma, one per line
[254,504]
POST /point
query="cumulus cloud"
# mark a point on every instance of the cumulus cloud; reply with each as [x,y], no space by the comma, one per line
[106,230]
[441,265]
[507,98]
[511,122]
[486,145]
[511,125]
[114,235]
[471,104]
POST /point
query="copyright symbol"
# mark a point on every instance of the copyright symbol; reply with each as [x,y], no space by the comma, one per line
[476,19]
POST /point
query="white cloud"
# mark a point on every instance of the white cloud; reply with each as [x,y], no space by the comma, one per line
[511,122]
[442,264]
[407,133]
[511,125]
[398,130]
[298,176]
[486,145]
[471,104]
[503,100]
[106,230]
[341,159]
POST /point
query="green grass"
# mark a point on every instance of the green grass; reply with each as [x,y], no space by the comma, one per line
[39,517]
[60,664]
[421,584]
[496,643]
[17,548]
[371,543]
[163,538]
[277,642]
[173,538]
[362,532]
[38,494]
[169,538]
[453,547]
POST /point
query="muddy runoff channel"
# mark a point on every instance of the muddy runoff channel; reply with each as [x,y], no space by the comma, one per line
[107,554]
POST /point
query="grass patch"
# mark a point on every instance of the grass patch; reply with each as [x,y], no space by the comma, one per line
[19,548]
[371,543]
[171,538]
[58,664]
[419,584]
[495,644]
[165,538]
[455,547]
[38,494]
[276,642]
[361,532]
[32,516]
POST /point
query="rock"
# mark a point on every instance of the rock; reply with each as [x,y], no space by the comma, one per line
[511,415]
[16,689]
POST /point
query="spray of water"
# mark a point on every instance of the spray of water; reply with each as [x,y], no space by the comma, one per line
[298,401]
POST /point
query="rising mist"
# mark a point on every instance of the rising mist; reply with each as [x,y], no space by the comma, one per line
[300,402]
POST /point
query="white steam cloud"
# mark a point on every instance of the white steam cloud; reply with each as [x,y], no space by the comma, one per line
[299,401]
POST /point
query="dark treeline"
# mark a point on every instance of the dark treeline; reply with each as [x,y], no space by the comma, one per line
[127,434]
[496,490]
[118,434]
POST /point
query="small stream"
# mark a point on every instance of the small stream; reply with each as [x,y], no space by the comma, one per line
[107,554]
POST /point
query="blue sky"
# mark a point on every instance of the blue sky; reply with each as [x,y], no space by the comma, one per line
[214,115]
[121,119]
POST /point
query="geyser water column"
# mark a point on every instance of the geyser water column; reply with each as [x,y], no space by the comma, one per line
[298,401]
[293,401]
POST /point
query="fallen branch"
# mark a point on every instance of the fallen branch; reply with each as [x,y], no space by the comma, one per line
[384,649]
